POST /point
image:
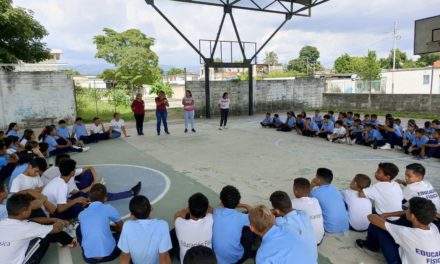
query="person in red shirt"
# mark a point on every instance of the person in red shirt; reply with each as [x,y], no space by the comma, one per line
[138,108]
[161,112]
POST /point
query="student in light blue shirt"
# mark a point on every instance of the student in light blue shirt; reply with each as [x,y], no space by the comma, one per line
[79,131]
[279,244]
[392,133]
[299,223]
[289,125]
[331,201]
[372,137]
[277,121]
[366,119]
[355,132]
[348,120]
[317,118]
[310,128]
[12,131]
[331,116]
[419,140]
[374,121]
[49,136]
[63,132]
[229,227]
[144,240]
[267,121]
[327,127]
[94,233]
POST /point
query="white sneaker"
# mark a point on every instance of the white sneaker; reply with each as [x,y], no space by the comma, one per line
[102,181]
[85,149]
[220,128]
[341,140]
[386,146]
[76,147]
[353,141]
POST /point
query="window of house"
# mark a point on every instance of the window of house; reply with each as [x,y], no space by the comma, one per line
[426,79]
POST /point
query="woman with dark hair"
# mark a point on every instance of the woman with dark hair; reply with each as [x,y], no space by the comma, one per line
[138,108]
[13,130]
[28,135]
[223,103]
[188,106]
[161,112]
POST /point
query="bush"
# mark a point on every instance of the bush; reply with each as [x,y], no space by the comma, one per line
[161,86]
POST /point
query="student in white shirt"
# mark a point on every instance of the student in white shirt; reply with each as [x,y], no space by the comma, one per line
[303,201]
[358,208]
[17,232]
[57,192]
[29,179]
[193,225]
[117,126]
[339,133]
[419,243]
[223,104]
[98,131]
[416,186]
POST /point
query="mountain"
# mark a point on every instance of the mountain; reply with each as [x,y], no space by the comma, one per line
[95,69]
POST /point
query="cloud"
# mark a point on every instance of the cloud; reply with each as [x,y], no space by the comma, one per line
[335,27]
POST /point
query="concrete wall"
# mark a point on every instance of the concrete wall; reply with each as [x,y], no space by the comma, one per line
[269,95]
[35,95]
[408,103]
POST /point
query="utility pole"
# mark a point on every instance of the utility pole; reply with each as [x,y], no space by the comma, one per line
[394,56]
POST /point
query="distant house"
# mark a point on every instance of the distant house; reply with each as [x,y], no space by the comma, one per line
[89,82]
[225,74]
[413,81]
[53,64]
[179,79]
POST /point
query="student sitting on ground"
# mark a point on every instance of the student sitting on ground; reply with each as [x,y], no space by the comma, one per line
[348,120]
[277,121]
[327,127]
[193,225]
[200,255]
[392,133]
[231,237]
[299,223]
[11,145]
[300,122]
[13,131]
[416,186]
[94,233]
[355,131]
[154,248]
[432,148]
[408,136]
[356,116]
[416,145]
[98,131]
[28,135]
[267,121]
[398,122]
[386,193]
[317,118]
[374,121]
[331,116]
[338,133]
[23,162]
[117,126]
[418,243]
[331,202]
[366,119]
[310,128]
[428,129]
[279,244]
[303,201]
[56,144]
[63,132]
[7,162]
[57,192]
[18,233]
[79,131]
[289,125]
[358,208]
[28,180]
[372,137]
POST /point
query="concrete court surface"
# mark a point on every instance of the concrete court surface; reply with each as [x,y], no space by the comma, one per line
[257,161]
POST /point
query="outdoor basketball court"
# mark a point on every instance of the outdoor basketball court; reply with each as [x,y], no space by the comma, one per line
[258,161]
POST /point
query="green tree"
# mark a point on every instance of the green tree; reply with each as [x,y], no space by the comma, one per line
[428,59]
[21,35]
[344,64]
[370,69]
[402,61]
[307,62]
[271,58]
[174,71]
[160,85]
[130,52]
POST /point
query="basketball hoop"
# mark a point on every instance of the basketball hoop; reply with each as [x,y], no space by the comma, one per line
[433,45]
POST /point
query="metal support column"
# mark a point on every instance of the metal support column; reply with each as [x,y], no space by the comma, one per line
[251,89]
[207,93]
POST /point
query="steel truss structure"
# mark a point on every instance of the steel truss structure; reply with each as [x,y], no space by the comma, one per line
[288,8]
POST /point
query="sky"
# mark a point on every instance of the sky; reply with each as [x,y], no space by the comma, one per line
[335,27]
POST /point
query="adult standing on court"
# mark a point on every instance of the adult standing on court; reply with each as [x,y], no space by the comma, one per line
[161,112]
[188,105]
[223,103]
[138,108]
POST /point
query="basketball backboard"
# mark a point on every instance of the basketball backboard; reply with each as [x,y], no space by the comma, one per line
[427,35]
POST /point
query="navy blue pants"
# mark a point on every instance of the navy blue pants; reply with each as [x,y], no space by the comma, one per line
[393,139]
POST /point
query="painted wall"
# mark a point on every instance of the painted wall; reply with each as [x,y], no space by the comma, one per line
[35,95]
[269,95]
[413,81]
